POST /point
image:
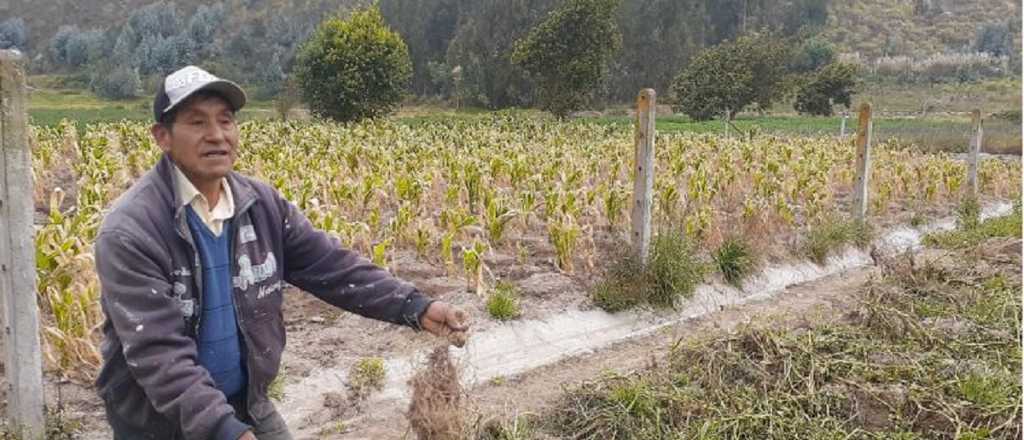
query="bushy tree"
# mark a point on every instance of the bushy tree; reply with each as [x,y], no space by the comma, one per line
[83,47]
[734,75]
[832,84]
[203,26]
[568,53]
[813,54]
[993,38]
[158,19]
[13,34]
[116,81]
[353,69]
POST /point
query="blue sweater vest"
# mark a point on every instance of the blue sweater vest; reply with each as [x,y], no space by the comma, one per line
[219,344]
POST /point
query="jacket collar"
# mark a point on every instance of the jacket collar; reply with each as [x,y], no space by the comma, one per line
[243,192]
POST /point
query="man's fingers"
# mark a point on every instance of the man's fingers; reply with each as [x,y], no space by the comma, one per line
[458,320]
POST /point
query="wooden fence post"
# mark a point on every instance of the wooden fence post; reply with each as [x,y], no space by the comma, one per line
[974,153]
[23,360]
[643,183]
[842,125]
[725,122]
[860,187]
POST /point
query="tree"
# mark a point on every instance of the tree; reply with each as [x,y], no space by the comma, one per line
[993,38]
[812,55]
[731,76]
[13,34]
[116,81]
[832,84]
[568,53]
[353,69]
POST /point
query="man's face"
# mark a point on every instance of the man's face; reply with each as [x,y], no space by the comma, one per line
[203,140]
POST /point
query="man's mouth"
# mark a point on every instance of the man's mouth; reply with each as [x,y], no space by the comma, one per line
[215,153]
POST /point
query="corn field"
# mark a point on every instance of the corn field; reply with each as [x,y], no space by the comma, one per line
[452,191]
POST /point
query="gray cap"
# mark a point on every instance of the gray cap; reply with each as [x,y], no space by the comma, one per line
[184,82]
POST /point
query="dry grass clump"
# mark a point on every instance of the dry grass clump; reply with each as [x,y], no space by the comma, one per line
[930,351]
[439,407]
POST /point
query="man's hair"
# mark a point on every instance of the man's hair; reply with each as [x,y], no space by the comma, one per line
[167,119]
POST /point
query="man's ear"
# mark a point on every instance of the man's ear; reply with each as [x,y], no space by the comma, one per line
[162,135]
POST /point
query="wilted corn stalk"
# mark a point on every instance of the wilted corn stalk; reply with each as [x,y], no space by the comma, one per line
[563,233]
[473,264]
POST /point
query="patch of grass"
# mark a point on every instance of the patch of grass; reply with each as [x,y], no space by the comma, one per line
[735,260]
[909,362]
[518,428]
[968,214]
[1004,226]
[57,426]
[831,235]
[503,303]
[275,391]
[367,375]
[673,271]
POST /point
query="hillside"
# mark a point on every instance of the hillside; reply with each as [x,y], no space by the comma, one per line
[915,27]
[44,18]
[871,27]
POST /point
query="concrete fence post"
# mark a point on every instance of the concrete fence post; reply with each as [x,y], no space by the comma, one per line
[974,153]
[23,359]
[643,183]
[863,143]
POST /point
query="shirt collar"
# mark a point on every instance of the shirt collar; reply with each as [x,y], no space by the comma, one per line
[187,192]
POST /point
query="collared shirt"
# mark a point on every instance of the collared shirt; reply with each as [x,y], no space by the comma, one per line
[212,218]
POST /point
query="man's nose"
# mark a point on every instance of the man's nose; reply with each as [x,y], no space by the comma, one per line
[216,133]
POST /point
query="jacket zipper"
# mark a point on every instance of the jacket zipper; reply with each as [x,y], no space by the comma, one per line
[232,240]
[197,277]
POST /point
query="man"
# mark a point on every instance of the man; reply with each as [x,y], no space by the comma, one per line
[192,260]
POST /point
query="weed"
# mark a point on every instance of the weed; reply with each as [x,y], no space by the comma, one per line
[518,428]
[673,268]
[1005,226]
[735,260]
[367,375]
[673,271]
[831,235]
[968,214]
[503,303]
[438,409]
[275,390]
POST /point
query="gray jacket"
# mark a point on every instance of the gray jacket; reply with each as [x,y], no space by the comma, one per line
[151,283]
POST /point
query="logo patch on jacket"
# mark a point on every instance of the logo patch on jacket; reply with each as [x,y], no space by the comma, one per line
[249,275]
[247,234]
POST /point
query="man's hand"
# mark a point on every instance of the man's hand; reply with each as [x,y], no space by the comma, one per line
[247,435]
[446,321]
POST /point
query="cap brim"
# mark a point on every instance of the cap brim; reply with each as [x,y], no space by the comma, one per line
[229,90]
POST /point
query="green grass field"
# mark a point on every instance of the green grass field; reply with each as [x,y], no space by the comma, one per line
[49,103]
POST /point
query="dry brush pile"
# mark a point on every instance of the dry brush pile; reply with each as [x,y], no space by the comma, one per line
[454,191]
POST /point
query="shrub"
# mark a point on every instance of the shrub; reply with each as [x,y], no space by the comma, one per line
[116,82]
[503,303]
[13,34]
[732,76]
[833,84]
[353,69]
[568,53]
